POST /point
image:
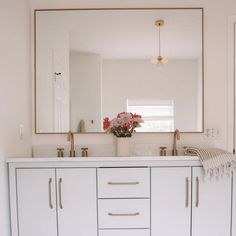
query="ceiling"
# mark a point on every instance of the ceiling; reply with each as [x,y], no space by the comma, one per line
[131,34]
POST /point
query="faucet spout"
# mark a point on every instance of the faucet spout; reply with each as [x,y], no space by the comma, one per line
[175,138]
[70,138]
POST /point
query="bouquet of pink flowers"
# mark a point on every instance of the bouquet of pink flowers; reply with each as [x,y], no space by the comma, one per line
[123,125]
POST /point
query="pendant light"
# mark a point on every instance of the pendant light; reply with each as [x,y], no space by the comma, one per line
[159,60]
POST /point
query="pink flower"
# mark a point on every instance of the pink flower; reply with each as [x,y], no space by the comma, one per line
[117,122]
[126,117]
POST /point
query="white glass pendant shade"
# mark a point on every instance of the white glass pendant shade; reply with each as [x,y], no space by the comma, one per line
[159,60]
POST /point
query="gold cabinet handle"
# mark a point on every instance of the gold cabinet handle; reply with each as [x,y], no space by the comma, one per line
[123,183]
[50,192]
[59,189]
[124,214]
[187,192]
[197,191]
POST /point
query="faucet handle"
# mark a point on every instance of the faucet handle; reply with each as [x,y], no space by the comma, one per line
[72,153]
[163,151]
[84,151]
[60,152]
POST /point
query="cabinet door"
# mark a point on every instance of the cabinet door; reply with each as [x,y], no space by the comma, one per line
[77,202]
[211,213]
[234,205]
[171,201]
[36,200]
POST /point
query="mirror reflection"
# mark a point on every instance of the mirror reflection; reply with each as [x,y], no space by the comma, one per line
[92,64]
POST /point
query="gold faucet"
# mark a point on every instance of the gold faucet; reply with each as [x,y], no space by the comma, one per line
[70,138]
[176,137]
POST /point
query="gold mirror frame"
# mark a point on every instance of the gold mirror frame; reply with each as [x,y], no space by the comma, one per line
[97,9]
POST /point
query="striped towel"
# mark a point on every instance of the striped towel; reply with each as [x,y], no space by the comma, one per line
[216,162]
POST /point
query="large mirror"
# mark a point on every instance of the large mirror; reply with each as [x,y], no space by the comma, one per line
[95,63]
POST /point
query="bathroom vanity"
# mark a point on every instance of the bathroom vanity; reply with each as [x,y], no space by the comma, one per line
[111,196]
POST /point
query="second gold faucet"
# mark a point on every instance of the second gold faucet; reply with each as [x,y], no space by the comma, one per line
[175,138]
[70,138]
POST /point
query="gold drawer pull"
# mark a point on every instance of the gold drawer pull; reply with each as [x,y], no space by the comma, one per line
[197,192]
[60,197]
[50,192]
[123,183]
[125,214]
[187,193]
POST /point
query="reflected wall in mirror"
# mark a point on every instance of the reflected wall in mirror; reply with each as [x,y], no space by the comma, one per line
[93,63]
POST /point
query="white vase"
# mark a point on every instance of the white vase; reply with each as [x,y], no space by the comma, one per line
[123,147]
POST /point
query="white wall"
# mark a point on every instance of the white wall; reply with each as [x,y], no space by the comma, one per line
[143,81]
[16,83]
[15,92]
[215,39]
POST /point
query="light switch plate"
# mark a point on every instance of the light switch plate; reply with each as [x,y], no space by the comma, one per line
[213,133]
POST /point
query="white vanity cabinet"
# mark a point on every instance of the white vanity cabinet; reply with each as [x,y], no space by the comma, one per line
[211,206]
[50,201]
[77,202]
[185,203]
[36,202]
[171,201]
[146,196]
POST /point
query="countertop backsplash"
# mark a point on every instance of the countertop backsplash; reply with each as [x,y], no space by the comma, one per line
[105,150]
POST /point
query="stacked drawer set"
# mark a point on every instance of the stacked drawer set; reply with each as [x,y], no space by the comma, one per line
[124,201]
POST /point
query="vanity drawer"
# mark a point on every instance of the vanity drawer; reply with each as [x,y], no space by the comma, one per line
[125,232]
[124,213]
[124,183]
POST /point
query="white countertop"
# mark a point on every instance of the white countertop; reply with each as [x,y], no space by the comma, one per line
[100,162]
[97,162]
[101,159]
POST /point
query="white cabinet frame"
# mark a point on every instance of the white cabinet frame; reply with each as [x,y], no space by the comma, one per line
[77,163]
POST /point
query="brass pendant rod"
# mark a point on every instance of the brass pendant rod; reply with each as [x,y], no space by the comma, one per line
[159,54]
